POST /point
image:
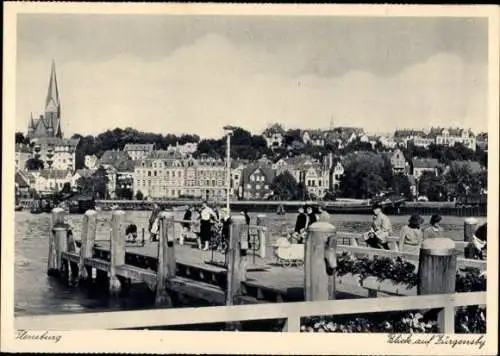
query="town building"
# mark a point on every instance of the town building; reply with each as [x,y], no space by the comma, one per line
[56,153]
[482,141]
[421,165]
[46,132]
[398,162]
[22,155]
[256,182]
[51,180]
[138,151]
[186,149]
[91,161]
[23,181]
[274,136]
[450,136]
[313,137]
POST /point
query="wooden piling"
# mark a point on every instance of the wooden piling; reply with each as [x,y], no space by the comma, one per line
[237,264]
[470,226]
[117,249]
[261,221]
[166,259]
[331,263]
[87,243]
[57,241]
[437,275]
[316,277]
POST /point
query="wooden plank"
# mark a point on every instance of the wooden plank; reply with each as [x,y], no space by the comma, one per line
[186,316]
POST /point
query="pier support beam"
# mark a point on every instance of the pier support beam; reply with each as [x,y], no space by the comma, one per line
[167,266]
[117,250]
[261,221]
[437,275]
[88,237]
[57,242]
[237,264]
[470,226]
[320,262]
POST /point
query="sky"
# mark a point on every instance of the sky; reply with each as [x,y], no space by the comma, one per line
[195,74]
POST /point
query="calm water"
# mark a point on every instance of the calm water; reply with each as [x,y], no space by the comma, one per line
[35,293]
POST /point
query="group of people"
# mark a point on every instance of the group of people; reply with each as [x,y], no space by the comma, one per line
[412,235]
[212,221]
[307,216]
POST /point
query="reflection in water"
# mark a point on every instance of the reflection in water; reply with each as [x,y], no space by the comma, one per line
[35,293]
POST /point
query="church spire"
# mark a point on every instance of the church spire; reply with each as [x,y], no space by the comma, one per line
[52,100]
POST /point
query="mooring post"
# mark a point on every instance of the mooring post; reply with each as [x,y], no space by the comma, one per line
[331,262]
[316,276]
[87,239]
[470,225]
[167,266]
[437,275]
[237,264]
[57,241]
[261,221]
[117,249]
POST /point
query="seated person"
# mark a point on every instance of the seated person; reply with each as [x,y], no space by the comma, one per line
[131,233]
[380,229]
[476,249]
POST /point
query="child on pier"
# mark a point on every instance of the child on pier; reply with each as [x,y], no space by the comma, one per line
[207,215]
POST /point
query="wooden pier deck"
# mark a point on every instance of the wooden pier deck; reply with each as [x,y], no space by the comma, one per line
[265,280]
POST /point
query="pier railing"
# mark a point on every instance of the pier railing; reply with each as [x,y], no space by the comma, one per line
[292,312]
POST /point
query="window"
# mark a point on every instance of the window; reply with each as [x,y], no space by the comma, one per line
[257,186]
[266,186]
[149,173]
[249,186]
[252,178]
[155,173]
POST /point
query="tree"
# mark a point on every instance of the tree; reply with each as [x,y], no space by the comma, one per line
[20,138]
[95,185]
[462,180]
[124,193]
[34,164]
[401,185]
[432,186]
[285,187]
[139,195]
[363,175]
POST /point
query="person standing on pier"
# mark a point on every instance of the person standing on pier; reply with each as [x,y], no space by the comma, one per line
[380,229]
[300,225]
[207,215]
[434,230]
[154,226]
[186,226]
[311,214]
[411,235]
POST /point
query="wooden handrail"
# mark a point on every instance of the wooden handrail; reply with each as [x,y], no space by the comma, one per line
[289,311]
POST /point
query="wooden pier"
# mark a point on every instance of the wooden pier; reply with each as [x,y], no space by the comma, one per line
[240,276]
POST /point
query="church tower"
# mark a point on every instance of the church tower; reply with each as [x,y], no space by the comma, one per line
[53,106]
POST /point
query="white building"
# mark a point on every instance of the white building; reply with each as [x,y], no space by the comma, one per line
[51,180]
[186,149]
[274,136]
[138,151]
[91,161]
[22,155]
[56,153]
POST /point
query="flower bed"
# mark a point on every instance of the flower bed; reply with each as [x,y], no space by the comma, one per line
[469,319]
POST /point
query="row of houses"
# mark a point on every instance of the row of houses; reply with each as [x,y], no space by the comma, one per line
[341,136]
[170,174]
